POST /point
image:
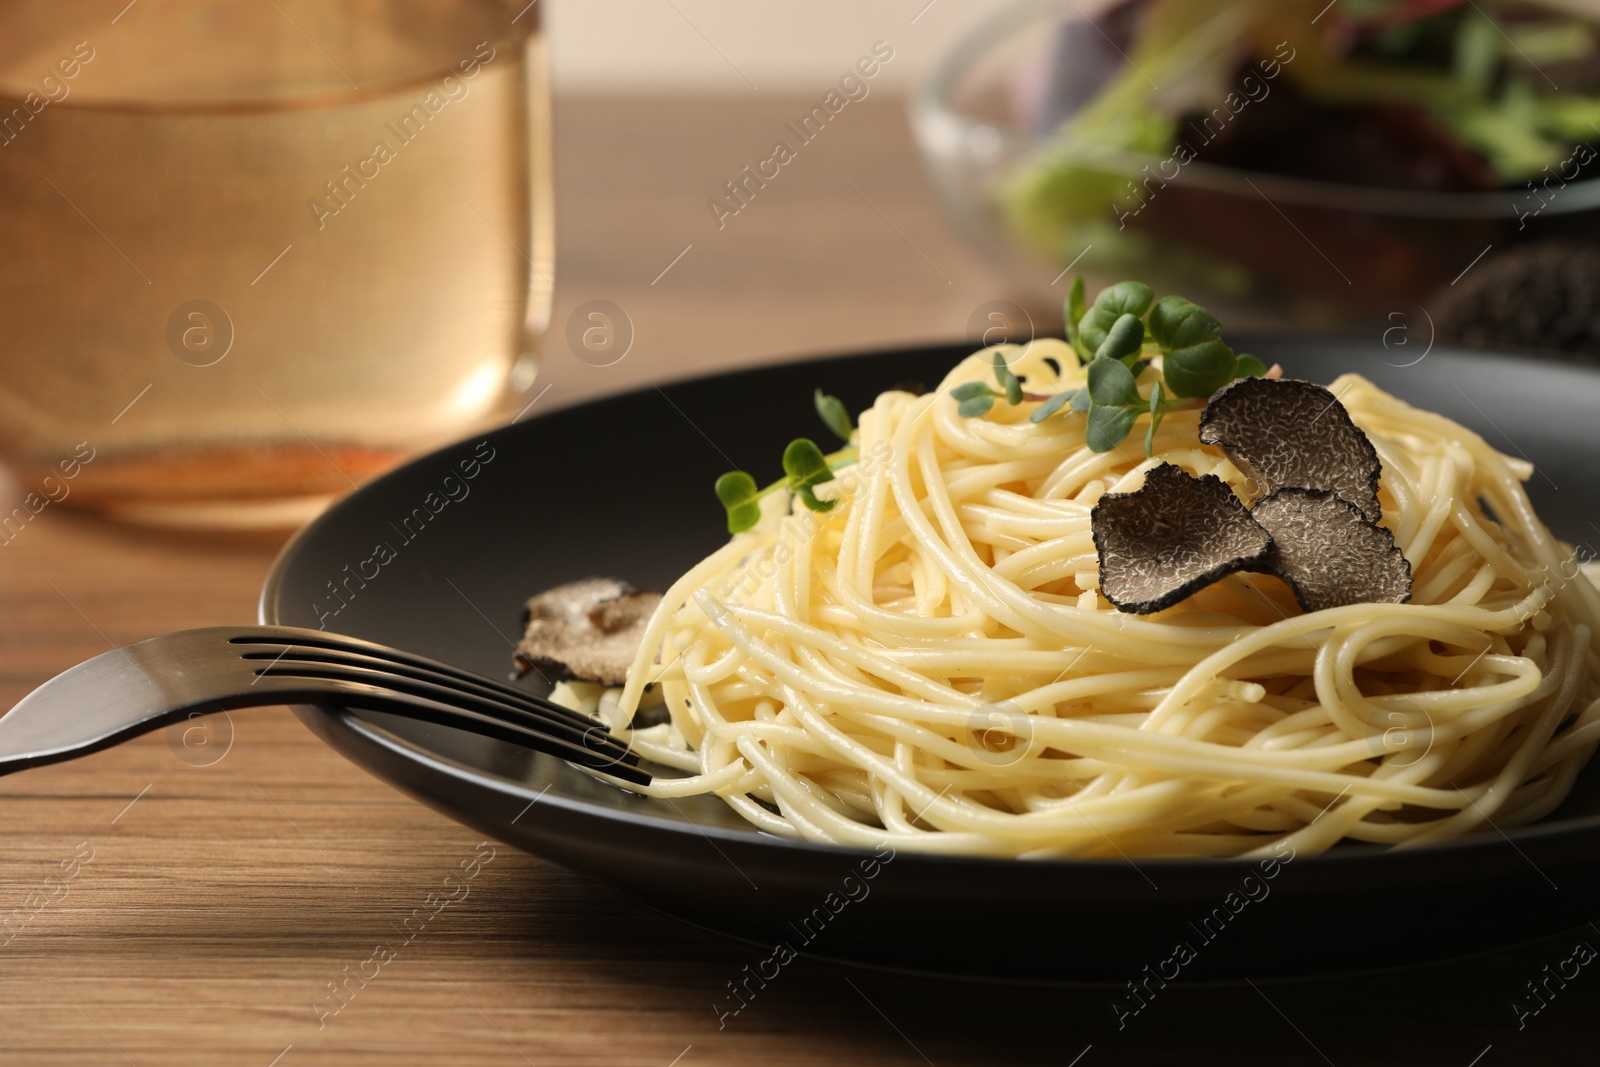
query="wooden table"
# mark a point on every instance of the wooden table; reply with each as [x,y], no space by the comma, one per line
[168,913]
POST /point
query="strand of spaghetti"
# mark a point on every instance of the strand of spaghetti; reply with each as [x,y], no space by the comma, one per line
[1578,741]
[656,629]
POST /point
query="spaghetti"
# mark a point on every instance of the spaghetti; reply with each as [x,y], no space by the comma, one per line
[930,663]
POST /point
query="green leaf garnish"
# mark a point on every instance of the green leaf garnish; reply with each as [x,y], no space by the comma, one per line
[1179,323]
[1124,341]
[834,415]
[805,465]
[974,406]
[1111,385]
[1051,406]
[739,495]
[1109,426]
[1007,380]
[1114,301]
[975,399]
[1076,309]
[1112,401]
[1200,370]
[1158,411]
[1250,367]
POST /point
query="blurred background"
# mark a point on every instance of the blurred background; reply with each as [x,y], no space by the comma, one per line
[659,105]
[268,248]
[1342,167]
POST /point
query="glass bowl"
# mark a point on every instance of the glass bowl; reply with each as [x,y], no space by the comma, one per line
[1288,248]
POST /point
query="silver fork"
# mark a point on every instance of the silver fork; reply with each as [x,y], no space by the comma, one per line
[153,683]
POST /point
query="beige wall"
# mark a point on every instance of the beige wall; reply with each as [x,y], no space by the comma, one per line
[602,46]
[606,46]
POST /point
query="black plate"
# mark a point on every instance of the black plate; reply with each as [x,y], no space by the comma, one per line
[623,487]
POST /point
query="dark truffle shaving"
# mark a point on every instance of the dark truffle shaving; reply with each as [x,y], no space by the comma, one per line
[1287,432]
[588,630]
[1315,526]
[1171,538]
[1329,553]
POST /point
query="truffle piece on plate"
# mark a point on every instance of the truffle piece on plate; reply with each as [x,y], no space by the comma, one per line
[1329,552]
[590,630]
[1172,537]
[1287,432]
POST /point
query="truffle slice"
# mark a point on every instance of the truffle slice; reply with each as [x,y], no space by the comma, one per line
[1329,552]
[1171,538]
[588,630]
[1286,432]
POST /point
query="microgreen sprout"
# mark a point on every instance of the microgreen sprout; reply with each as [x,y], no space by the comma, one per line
[1116,338]
[833,413]
[976,398]
[804,468]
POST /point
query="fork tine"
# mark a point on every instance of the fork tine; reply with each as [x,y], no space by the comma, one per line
[279,636]
[395,669]
[526,703]
[594,736]
[452,714]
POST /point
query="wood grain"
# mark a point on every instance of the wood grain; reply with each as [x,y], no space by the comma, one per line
[221,901]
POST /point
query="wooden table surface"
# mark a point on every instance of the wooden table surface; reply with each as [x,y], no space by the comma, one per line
[163,912]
